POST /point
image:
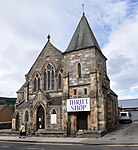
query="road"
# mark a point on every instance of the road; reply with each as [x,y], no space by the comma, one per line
[127,134]
[43,146]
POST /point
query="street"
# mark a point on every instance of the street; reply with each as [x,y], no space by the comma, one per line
[43,146]
[124,137]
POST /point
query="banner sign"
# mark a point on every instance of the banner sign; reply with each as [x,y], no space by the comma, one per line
[78,104]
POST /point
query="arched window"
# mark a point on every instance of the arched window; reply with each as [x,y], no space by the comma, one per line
[49,78]
[59,80]
[36,83]
[26,116]
[53,80]
[53,117]
[45,75]
[79,70]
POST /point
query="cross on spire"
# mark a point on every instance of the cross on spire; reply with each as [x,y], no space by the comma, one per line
[83,9]
[48,37]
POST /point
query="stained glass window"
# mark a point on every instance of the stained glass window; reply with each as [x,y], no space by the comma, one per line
[35,85]
[48,73]
[52,81]
[38,83]
[59,81]
[45,80]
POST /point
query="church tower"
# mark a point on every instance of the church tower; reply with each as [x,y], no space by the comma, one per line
[86,85]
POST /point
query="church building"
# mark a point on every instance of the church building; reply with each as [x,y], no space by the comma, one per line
[68,93]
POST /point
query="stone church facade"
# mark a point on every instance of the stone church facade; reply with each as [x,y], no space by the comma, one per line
[68,93]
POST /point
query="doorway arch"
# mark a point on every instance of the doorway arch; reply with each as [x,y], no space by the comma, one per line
[17,121]
[40,118]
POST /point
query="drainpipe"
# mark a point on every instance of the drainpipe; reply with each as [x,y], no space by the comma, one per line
[97,99]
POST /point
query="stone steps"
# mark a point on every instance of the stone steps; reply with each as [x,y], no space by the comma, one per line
[8,132]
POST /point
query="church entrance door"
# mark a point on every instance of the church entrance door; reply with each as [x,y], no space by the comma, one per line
[40,118]
[17,122]
[82,121]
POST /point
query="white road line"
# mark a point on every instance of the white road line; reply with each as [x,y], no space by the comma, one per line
[5,146]
[34,148]
[123,145]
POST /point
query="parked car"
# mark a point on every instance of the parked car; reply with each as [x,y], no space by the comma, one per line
[125,117]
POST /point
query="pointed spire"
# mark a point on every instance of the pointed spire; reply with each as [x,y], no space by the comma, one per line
[83,37]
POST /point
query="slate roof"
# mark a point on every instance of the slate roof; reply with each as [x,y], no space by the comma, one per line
[83,37]
[24,104]
[128,103]
[22,88]
[52,101]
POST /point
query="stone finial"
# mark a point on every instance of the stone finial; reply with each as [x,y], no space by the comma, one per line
[83,9]
[48,37]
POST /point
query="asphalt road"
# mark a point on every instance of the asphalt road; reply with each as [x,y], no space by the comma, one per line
[43,146]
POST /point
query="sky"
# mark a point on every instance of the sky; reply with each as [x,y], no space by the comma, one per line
[25,24]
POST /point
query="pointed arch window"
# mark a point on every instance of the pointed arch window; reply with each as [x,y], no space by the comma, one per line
[59,80]
[48,73]
[26,116]
[79,70]
[45,76]
[36,83]
[52,80]
[49,78]
[53,117]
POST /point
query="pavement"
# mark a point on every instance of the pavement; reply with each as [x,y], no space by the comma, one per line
[122,135]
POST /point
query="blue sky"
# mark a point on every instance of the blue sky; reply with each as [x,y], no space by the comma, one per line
[25,24]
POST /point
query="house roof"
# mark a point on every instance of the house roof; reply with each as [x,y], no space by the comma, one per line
[2,106]
[128,103]
[83,37]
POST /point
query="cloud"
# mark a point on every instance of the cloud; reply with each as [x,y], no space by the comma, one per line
[25,26]
[121,51]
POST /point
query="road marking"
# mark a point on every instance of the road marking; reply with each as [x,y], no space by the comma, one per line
[38,143]
[122,145]
[34,148]
[5,146]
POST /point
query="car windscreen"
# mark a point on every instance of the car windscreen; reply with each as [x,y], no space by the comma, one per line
[123,114]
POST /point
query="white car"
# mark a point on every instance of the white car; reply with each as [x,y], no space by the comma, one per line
[125,117]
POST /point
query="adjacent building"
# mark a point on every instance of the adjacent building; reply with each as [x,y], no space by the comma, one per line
[6,114]
[68,93]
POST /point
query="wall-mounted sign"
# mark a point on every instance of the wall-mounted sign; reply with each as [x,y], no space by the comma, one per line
[53,118]
[78,104]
